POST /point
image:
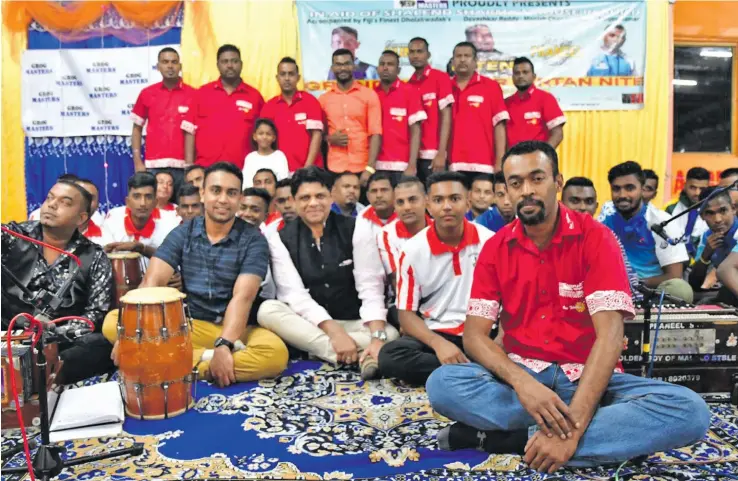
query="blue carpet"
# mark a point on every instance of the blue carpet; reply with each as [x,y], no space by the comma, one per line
[319,422]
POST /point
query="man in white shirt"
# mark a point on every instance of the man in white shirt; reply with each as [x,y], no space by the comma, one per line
[330,295]
[690,225]
[138,226]
[436,270]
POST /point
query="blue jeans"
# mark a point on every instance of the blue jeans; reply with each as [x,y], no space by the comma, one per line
[636,416]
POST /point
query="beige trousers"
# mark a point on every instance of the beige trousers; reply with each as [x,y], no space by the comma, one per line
[306,336]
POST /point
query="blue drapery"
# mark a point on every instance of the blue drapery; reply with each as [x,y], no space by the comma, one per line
[107,160]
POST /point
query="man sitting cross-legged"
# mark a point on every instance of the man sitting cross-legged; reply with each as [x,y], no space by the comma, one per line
[223,260]
[555,392]
[330,293]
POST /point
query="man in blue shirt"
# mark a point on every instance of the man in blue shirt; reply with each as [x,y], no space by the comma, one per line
[345,193]
[481,196]
[658,264]
[502,212]
[720,238]
[223,261]
[690,225]
[611,61]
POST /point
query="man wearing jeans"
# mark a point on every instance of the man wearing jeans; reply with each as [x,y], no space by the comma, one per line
[554,391]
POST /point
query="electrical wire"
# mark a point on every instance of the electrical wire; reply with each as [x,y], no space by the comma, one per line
[617,472]
[656,335]
[42,243]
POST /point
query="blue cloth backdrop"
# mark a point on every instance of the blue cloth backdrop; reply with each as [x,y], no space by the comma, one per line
[107,160]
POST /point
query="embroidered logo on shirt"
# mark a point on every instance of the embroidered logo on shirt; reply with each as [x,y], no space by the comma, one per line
[398,114]
[532,115]
[183,109]
[475,100]
[429,96]
[574,291]
[244,105]
[301,116]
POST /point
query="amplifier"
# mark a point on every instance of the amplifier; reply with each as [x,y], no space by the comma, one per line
[697,346]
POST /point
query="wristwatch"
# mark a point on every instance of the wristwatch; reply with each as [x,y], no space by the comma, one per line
[224,342]
[381,335]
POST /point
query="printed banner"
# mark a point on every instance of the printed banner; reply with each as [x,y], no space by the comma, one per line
[589,54]
[79,92]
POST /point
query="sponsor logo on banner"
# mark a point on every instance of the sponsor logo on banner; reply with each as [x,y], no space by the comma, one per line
[69,81]
[39,69]
[39,126]
[134,79]
[44,98]
[101,67]
[437,3]
[105,126]
[103,93]
[75,111]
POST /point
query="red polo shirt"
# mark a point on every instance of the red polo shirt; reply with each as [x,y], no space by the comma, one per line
[162,111]
[223,123]
[532,115]
[401,108]
[549,296]
[477,109]
[436,94]
[295,124]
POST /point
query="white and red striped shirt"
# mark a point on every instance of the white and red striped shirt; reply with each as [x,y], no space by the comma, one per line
[390,241]
[436,278]
[368,226]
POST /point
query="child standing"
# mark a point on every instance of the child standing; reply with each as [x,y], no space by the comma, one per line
[265,155]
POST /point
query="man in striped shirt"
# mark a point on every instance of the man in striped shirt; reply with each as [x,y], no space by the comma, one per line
[435,273]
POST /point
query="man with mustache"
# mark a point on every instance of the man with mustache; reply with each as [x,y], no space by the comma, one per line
[553,391]
[223,261]
[162,107]
[658,264]
[345,194]
[220,123]
[718,241]
[434,277]
[284,204]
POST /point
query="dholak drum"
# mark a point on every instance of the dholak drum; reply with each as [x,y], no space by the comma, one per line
[155,352]
[127,271]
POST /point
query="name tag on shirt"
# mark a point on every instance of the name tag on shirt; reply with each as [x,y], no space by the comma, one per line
[301,116]
[183,109]
[475,100]
[429,96]
[397,112]
[244,105]
[532,115]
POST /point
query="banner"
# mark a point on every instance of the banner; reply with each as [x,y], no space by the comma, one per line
[79,92]
[589,54]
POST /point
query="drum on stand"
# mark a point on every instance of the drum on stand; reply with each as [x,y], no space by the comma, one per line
[127,272]
[155,352]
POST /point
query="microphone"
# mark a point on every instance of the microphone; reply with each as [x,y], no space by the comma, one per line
[660,231]
[72,331]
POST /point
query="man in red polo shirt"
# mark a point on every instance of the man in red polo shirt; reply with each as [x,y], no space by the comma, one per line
[554,389]
[402,114]
[478,140]
[436,94]
[534,114]
[220,123]
[162,107]
[298,118]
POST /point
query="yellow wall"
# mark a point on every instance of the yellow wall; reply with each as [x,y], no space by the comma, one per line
[265,31]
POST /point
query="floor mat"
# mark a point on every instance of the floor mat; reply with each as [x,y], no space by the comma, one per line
[319,422]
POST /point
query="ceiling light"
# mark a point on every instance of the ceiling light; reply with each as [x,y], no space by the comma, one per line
[684,83]
[708,52]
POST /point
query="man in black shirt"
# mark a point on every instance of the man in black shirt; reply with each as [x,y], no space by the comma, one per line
[66,208]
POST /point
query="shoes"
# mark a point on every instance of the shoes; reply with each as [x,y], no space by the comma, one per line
[369,369]
[461,436]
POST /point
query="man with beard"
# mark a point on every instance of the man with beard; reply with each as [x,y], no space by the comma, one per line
[612,62]
[162,107]
[534,114]
[189,204]
[719,239]
[435,92]
[402,115]
[691,225]
[284,204]
[330,296]
[345,194]
[553,391]
[479,138]
[66,209]
[298,117]
[353,115]
[658,264]
[223,260]
[435,273]
[502,212]
[221,121]
[348,38]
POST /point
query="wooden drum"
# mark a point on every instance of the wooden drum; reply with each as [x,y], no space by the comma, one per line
[127,272]
[155,352]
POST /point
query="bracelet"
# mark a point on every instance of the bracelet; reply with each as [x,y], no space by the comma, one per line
[370,169]
[707,263]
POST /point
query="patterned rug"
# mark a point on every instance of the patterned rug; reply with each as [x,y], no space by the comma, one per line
[317,422]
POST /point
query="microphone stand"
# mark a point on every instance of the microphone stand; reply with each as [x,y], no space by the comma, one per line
[48,462]
[658,229]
